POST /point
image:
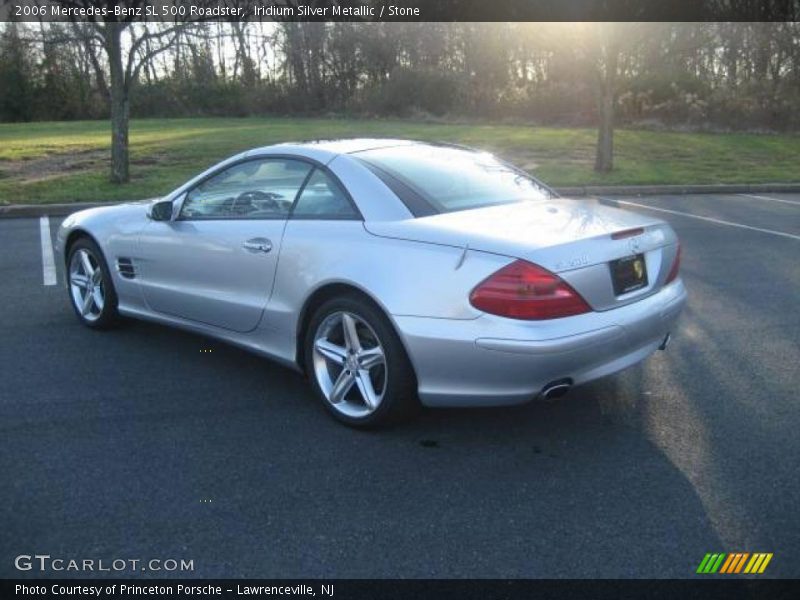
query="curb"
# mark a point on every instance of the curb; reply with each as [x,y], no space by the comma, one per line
[62,210]
[12,211]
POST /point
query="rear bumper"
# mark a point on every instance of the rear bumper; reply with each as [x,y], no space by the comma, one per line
[493,361]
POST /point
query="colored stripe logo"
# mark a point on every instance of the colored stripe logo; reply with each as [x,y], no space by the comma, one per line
[735,562]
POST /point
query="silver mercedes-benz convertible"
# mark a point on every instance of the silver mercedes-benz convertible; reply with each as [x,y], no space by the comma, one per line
[392,272]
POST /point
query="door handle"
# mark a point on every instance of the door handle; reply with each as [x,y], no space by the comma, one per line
[258,245]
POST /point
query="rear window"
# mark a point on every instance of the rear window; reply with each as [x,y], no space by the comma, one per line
[450,179]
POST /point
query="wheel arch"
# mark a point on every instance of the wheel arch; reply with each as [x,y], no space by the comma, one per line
[73,237]
[332,290]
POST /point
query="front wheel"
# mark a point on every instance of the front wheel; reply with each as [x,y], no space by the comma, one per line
[91,291]
[358,365]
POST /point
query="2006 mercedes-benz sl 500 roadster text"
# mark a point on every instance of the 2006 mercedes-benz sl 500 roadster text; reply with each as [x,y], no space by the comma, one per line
[392,272]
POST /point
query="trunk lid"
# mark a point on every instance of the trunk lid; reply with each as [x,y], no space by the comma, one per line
[570,237]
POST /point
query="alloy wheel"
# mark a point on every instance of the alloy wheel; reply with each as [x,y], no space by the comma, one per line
[349,364]
[86,285]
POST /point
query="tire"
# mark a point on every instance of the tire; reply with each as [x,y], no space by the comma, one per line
[101,311]
[343,372]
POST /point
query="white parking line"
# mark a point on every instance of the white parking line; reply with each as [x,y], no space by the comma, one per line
[796,202]
[709,219]
[48,262]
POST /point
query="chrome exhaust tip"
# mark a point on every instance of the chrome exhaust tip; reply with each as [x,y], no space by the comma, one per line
[665,342]
[556,389]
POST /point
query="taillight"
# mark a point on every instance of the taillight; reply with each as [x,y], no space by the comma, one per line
[676,265]
[523,290]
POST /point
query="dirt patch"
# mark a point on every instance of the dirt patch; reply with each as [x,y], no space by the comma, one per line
[47,167]
[148,160]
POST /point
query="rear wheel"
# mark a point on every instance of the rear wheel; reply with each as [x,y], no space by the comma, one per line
[358,365]
[91,291]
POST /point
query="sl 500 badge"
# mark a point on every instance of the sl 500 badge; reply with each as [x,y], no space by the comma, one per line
[573,263]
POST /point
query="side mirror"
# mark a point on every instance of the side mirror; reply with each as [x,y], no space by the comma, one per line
[161,211]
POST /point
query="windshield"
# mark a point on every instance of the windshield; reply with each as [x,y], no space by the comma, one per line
[451,179]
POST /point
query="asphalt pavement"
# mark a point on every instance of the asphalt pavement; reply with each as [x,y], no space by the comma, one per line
[150,443]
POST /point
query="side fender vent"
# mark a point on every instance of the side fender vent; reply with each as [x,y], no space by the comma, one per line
[125,268]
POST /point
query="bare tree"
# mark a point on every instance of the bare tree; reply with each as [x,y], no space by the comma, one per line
[124,67]
[614,42]
[144,43]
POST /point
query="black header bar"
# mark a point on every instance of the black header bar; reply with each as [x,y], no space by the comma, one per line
[400,10]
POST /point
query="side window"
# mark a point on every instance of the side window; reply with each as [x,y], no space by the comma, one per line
[323,198]
[256,189]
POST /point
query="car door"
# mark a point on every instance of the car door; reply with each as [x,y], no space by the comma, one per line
[215,262]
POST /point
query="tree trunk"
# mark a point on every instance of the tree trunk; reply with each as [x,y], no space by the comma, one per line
[295,49]
[120,105]
[604,157]
[120,114]
[732,43]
